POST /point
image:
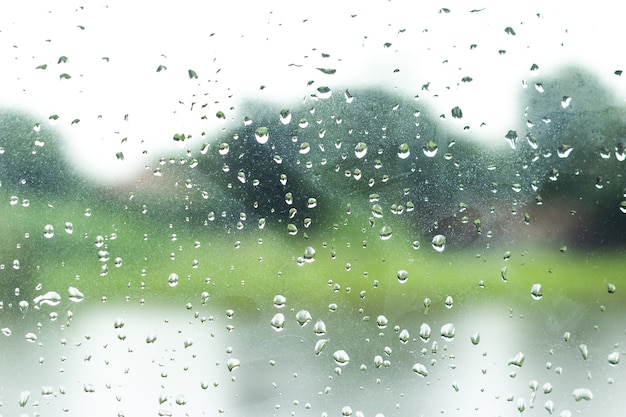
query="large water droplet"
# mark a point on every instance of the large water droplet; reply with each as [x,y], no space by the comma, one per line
[430,149]
[404,151]
[403,276]
[232,364]
[439,243]
[517,360]
[614,358]
[278,322]
[172,279]
[51,298]
[385,233]
[279,301]
[24,396]
[303,317]
[360,150]
[319,346]
[448,331]
[309,254]
[319,328]
[75,295]
[48,231]
[536,291]
[261,134]
[420,369]
[341,357]
[425,332]
[582,394]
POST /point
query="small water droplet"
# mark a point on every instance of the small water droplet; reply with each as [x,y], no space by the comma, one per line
[24,396]
[448,331]
[614,358]
[285,116]
[404,336]
[319,328]
[51,298]
[69,228]
[582,394]
[584,351]
[420,369]
[425,332]
[324,92]
[504,273]
[439,243]
[172,279]
[341,357]
[404,151]
[475,338]
[457,113]
[151,338]
[511,137]
[223,148]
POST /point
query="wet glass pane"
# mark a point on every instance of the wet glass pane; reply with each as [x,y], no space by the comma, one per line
[344,209]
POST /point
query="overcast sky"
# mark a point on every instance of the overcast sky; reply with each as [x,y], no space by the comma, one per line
[114,48]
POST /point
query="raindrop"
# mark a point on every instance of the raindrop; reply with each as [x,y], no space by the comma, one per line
[518,360]
[420,369]
[319,346]
[425,332]
[377,211]
[309,254]
[172,280]
[233,364]
[403,276]
[303,317]
[457,113]
[536,291]
[504,273]
[285,116]
[439,243]
[151,338]
[404,151]
[385,233]
[324,92]
[449,302]
[448,331]
[279,301]
[584,351]
[404,336]
[611,288]
[223,148]
[51,298]
[69,228]
[341,357]
[48,231]
[75,295]
[278,322]
[360,150]
[319,328]
[475,338]
[24,396]
[430,149]
[614,358]
[582,394]
[305,148]
[381,321]
[511,137]
[261,135]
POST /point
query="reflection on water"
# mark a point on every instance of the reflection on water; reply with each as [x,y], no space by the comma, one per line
[483,358]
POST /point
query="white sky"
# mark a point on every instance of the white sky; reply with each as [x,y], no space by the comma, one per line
[237,46]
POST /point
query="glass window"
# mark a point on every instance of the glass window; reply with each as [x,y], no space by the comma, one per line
[334,209]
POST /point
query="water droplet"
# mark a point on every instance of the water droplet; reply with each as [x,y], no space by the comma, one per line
[425,332]
[279,301]
[511,137]
[118,323]
[614,358]
[457,113]
[319,328]
[324,92]
[504,273]
[403,275]
[448,331]
[475,338]
[564,150]
[48,231]
[233,364]
[285,116]
[360,150]
[51,298]
[172,280]
[278,322]
[549,406]
[75,295]
[449,302]
[517,360]
[223,148]
[622,207]
[341,357]
[536,291]
[262,135]
[151,338]
[430,149]
[381,321]
[404,336]
[319,346]
[584,351]
[582,394]
[303,317]
[377,211]
[439,243]
[24,396]
[305,147]
[311,203]
[69,228]
[420,369]
[385,233]
[31,337]
[309,254]
[404,151]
